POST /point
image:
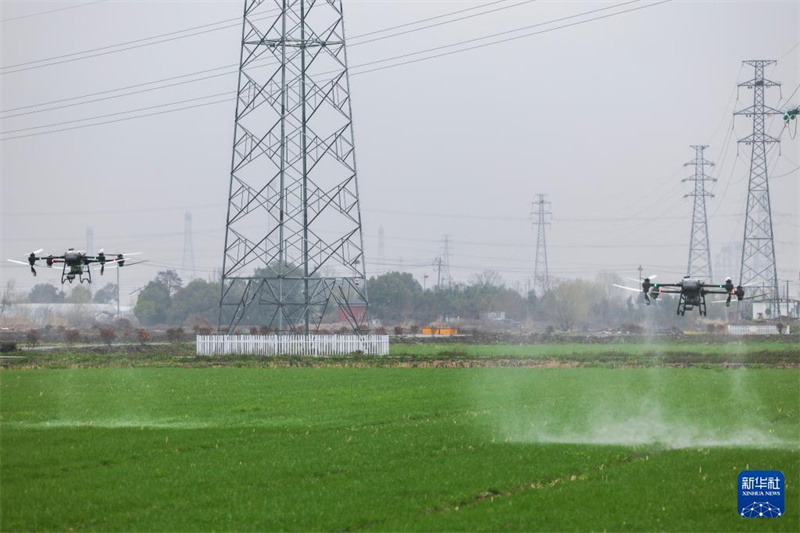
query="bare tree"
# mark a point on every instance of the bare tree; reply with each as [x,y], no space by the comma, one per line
[488,278]
[567,303]
[9,296]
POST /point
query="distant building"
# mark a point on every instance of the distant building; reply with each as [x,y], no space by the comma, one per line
[43,314]
[359,310]
[763,311]
[439,330]
[497,316]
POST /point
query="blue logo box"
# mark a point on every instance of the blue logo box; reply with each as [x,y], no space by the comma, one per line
[761,494]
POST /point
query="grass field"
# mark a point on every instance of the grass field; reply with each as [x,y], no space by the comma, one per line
[708,352]
[340,449]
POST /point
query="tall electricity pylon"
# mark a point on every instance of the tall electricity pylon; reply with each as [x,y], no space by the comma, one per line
[699,244]
[293,241]
[187,265]
[540,213]
[758,270]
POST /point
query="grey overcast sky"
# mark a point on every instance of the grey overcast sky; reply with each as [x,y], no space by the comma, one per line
[599,116]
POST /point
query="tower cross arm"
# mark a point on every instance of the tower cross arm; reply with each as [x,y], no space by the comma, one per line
[704,162]
[753,110]
[756,82]
[759,137]
[699,178]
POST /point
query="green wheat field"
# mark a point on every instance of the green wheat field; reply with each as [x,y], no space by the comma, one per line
[320,448]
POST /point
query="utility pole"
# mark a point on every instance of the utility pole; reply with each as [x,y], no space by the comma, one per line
[758,269]
[187,265]
[293,241]
[540,213]
[438,264]
[699,244]
[640,269]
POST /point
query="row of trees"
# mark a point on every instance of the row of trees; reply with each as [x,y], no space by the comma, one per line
[398,298]
[45,293]
[165,300]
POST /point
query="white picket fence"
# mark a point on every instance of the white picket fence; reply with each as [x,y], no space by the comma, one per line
[760,329]
[314,345]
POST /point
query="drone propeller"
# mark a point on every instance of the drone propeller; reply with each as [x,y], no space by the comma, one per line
[637,280]
[115,263]
[103,266]
[626,288]
[737,300]
[31,260]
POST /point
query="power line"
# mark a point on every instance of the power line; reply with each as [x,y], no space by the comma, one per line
[235,66]
[793,93]
[173,36]
[413,30]
[356,44]
[789,51]
[227,100]
[51,11]
[115,90]
[226,93]
[500,34]
[393,58]
[105,50]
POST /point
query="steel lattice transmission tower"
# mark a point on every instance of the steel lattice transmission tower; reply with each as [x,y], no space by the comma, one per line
[699,244]
[445,279]
[758,269]
[540,212]
[293,243]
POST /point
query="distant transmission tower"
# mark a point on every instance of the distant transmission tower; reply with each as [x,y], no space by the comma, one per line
[187,265]
[758,270]
[293,242]
[727,260]
[699,244]
[381,267]
[445,279]
[540,213]
[89,240]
